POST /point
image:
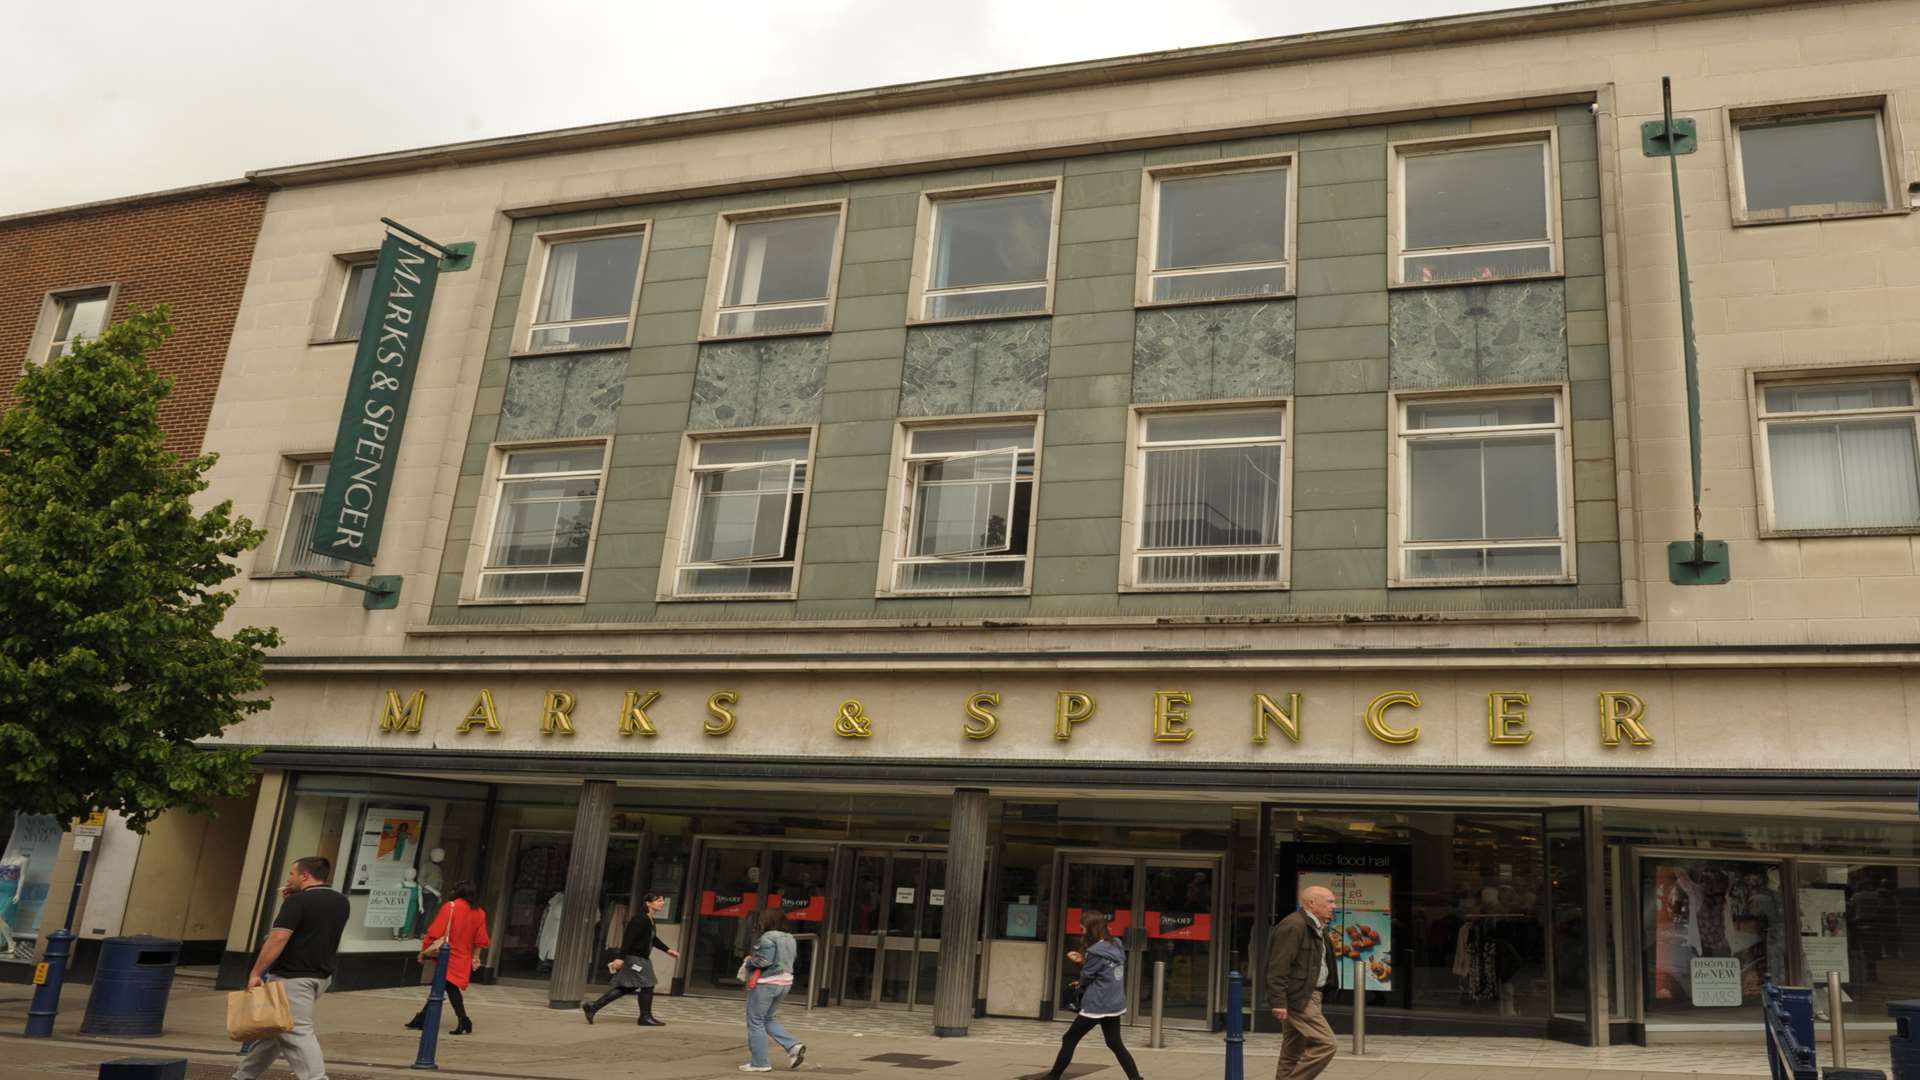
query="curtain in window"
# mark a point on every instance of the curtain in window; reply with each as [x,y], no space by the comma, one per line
[1846,475]
[563,271]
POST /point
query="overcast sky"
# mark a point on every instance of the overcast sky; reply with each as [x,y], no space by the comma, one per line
[150,95]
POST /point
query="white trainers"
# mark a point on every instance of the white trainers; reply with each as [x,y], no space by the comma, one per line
[796,1055]
[756,1068]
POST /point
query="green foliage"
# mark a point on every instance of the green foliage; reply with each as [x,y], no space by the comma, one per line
[111,664]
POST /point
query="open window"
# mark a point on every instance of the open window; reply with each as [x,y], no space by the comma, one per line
[966,508]
[745,504]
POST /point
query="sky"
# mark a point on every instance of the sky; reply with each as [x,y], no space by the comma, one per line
[157,95]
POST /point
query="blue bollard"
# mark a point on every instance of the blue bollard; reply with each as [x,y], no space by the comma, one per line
[430,1025]
[1236,1028]
[46,995]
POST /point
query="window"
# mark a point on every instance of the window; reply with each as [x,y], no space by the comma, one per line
[355,291]
[967,508]
[1212,506]
[77,317]
[1476,213]
[588,287]
[1842,454]
[776,273]
[1219,235]
[990,255]
[296,531]
[543,523]
[744,516]
[1821,161]
[1483,489]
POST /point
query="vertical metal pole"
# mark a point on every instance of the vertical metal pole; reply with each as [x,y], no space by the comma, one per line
[1158,1039]
[1690,353]
[1236,1033]
[1834,1022]
[430,1016]
[45,1007]
[1359,1007]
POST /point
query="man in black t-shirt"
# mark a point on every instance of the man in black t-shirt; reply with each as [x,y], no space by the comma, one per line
[299,954]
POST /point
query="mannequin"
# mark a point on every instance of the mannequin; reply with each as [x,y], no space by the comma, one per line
[550,921]
[427,902]
[407,926]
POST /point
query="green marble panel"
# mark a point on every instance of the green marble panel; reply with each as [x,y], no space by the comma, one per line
[1212,352]
[979,367]
[1475,335]
[562,396]
[754,383]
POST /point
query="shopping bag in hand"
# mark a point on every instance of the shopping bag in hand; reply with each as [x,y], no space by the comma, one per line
[260,1012]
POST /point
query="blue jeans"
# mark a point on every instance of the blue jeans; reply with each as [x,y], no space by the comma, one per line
[761,1001]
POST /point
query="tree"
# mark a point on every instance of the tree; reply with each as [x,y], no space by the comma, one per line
[111,664]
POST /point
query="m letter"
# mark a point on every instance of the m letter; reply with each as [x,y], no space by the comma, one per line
[398,717]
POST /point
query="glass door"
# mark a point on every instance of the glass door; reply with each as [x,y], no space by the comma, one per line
[889,939]
[1568,928]
[1163,908]
[734,882]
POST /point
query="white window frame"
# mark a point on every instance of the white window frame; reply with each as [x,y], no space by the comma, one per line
[1892,155]
[269,556]
[487,511]
[896,527]
[1397,252]
[720,265]
[1133,512]
[1149,247]
[1760,381]
[926,226]
[39,348]
[339,289]
[1399,493]
[685,506]
[543,244]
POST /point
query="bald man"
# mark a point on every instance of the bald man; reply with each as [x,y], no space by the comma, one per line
[1300,974]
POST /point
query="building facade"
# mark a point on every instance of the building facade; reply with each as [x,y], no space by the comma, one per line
[1148,485]
[64,275]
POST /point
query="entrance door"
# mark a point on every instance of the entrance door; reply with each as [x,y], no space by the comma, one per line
[1162,907]
[733,882]
[889,938]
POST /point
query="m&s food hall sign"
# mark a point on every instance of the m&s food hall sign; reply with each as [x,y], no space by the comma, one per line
[1167,716]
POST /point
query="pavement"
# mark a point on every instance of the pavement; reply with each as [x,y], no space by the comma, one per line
[517,1037]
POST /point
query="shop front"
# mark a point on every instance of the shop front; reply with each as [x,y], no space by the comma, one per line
[1504,864]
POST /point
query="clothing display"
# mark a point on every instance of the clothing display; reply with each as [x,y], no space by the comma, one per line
[550,920]
[1491,956]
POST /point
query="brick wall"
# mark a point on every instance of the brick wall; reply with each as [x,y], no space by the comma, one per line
[190,252]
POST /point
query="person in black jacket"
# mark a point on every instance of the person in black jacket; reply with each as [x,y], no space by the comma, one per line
[633,969]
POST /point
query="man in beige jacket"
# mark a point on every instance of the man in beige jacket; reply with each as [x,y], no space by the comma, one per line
[1300,975]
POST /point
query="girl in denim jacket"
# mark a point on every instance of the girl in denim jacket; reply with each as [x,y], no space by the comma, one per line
[1103,995]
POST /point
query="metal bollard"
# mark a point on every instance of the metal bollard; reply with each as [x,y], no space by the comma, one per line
[430,1020]
[1359,1008]
[1236,1031]
[1158,1038]
[1834,1023]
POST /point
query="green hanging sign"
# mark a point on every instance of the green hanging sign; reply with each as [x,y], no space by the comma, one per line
[353,508]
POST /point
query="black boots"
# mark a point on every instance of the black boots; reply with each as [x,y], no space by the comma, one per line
[419,1020]
[646,1010]
[464,1027]
[589,1008]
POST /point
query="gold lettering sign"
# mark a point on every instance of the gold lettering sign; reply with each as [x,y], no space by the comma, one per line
[407,717]
[720,719]
[1266,712]
[483,715]
[1170,715]
[981,721]
[1507,718]
[1620,711]
[556,713]
[633,713]
[1377,717]
[853,721]
[1069,708]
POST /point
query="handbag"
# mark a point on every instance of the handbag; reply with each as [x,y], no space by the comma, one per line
[432,951]
[259,1012]
[1073,995]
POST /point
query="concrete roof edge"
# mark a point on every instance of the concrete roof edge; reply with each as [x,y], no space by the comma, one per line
[127,202]
[1507,22]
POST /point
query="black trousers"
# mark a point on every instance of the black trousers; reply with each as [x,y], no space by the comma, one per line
[454,998]
[618,992]
[1110,1027]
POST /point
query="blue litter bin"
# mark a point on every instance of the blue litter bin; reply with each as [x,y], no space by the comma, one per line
[130,986]
[1905,1040]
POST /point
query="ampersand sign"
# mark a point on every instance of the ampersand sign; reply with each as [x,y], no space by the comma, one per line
[853,722]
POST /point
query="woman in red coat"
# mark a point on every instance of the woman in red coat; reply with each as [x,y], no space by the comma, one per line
[464,924]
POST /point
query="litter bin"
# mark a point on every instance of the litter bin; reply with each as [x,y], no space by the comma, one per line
[1905,1040]
[130,986]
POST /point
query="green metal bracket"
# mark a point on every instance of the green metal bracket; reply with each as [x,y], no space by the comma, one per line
[382,590]
[1701,563]
[1653,138]
[458,257]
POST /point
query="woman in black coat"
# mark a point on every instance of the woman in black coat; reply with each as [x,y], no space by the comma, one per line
[633,969]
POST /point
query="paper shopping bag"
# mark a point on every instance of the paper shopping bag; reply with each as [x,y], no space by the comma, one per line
[258,1013]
